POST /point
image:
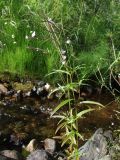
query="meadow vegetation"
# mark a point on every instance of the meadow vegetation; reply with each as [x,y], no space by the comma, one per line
[33,33]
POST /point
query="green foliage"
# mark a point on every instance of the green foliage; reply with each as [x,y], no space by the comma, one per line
[69,123]
[69,119]
[88,24]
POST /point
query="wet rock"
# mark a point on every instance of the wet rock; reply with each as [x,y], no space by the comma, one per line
[50,145]
[38,155]
[11,154]
[87,91]
[33,91]
[27,94]
[14,140]
[43,91]
[41,83]
[5,158]
[3,89]
[10,93]
[19,95]
[96,148]
[40,90]
[32,146]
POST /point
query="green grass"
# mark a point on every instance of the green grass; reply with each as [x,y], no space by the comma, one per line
[94,59]
[23,62]
[90,25]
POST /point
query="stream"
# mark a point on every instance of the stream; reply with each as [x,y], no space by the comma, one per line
[21,121]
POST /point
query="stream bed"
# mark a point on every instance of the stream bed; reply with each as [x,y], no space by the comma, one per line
[25,110]
[30,118]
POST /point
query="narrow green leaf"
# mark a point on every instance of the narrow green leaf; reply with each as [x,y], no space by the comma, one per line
[58,116]
[74,126]
[61,105]
[83,112]
[65,140]
[58,71]
[92,102]
[60,127]
[79,135]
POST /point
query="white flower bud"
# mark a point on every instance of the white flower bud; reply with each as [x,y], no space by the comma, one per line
[13,36]
[33,34]
[26,37]
[64,57]
[68,41]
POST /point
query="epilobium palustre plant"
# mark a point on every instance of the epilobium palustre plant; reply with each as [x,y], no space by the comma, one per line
[68,119]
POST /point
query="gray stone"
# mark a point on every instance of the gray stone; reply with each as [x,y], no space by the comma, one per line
[11,154]
[32,146]
[107,157]
[50,145]
[38,155]
[5,158]
[3,89]
[96,148]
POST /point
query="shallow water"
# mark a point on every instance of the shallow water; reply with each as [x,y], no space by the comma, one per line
[31,119]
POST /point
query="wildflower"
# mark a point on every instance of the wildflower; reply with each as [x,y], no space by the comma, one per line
[68,41]
[13,36]
[26,37]
[14,42]
[64,57]
[50,19]
[37,49]
[63,62]
[33,34]
[5,23]
[63,52]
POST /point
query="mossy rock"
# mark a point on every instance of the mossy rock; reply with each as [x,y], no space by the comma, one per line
[24,87]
